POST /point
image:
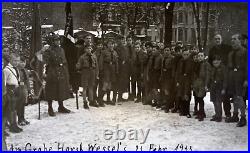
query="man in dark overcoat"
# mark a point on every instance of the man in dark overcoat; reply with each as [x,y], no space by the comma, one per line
[237,79]
[221,50]
[57,77]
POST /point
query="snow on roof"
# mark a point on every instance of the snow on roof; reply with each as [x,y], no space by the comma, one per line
[47,26]
[60,32]
[112,25]
[95,33]
[140,36]
[7,27]
[42,26]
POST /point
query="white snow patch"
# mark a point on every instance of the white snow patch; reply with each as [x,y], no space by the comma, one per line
[87,127]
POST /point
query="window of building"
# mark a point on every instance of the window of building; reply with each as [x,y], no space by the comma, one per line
[186,34]
[193,36]
[174,34]
[180,34]
[186,17]
[180,17]
[175,18]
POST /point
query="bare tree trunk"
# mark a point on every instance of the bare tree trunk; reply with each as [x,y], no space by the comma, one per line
[206,28]
[196,11]
[169,13]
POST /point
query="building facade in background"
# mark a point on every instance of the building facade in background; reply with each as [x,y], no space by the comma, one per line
[224,18]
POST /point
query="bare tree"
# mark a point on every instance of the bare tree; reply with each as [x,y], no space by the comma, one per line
[206,26]
[169,13]
[196,11]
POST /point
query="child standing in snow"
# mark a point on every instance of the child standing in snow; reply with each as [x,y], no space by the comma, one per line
[88,65]
[109,63]
[24,92]
[200,84]
[217,87]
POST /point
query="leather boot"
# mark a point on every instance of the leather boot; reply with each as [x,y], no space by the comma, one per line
[242,122]
[85,105]
[13,123]
[15,129]
[113,101]
[108,97]
[93,103]
[62,109]
[51,112]
[100,99]
[50,109]
[233,119]
[101,103]
[201,116]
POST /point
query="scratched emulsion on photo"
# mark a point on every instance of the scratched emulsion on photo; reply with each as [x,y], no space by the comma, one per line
[124,76]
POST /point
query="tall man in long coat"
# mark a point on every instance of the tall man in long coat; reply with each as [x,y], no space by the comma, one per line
[237,79]
[221,50]
[57,76]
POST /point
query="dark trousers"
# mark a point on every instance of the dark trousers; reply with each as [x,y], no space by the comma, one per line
[239,104]
[199,101]
[145,91]
[60,103]
[4,146]
[227,105]
[98,88]
[4,120]
[12,99]
[132,90]
[139,82]
[21,103]
[245,97]
[166,101]
[218,108]
[185,107]
[176,102]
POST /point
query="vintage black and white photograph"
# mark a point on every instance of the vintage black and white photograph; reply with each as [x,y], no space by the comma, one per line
[124,76]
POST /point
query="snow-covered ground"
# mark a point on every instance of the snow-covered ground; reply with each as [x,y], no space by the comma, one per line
[87,127]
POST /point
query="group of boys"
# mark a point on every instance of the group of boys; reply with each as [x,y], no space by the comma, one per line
[166,76]
[15,90]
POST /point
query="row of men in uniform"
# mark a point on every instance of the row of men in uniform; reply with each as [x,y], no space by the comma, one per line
[165,78]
